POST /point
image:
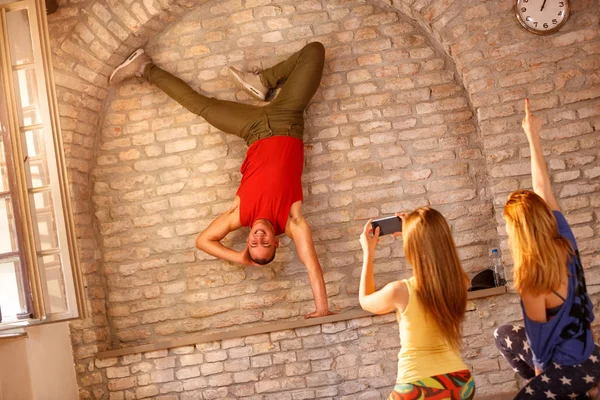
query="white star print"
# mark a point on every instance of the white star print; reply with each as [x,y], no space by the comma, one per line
[557,366]
[496,333]
[565,380]
[517,359]
[594,358]
[549,394]
[526,346]
[516,369]
[516,328]
[521,357]
[508,343]
[573,396]
[545,378]
[529,391]
[588,379]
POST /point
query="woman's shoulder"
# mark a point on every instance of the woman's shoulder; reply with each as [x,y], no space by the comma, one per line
[534,306]
[408,284]
[402,293]
[399,286]
[563,228]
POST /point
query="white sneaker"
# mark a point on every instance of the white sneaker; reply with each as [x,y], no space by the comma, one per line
[249,83]
[132,66]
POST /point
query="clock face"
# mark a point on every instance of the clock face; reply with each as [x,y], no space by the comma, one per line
[542,16]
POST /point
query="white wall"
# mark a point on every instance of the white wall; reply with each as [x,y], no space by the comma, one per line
[14,370]
[40,367]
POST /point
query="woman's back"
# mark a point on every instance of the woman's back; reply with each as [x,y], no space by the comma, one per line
[424,352]
[431,307]
[555,352]
[566,338]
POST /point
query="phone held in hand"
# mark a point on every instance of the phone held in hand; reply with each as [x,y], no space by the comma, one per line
[387,225]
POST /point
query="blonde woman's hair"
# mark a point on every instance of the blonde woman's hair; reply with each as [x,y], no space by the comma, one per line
[441,283]
[539,252]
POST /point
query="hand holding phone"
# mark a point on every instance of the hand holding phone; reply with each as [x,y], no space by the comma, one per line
[369,238]
[388,225]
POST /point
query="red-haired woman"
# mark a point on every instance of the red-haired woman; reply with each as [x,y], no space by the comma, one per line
[430,307]
[555,349]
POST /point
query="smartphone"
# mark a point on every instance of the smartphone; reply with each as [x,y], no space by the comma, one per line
[387,225]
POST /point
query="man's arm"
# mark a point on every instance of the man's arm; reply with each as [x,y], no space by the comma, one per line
[209,240]
[299,231]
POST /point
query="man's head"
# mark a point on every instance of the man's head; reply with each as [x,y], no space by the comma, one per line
[262,242]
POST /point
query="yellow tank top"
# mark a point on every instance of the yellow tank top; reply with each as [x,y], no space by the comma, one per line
[424,350]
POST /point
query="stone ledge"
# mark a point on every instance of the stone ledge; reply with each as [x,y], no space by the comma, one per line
[279,326]
[487,292]
[12,336]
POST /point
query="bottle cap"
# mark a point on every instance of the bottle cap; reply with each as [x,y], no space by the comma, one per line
[494,251]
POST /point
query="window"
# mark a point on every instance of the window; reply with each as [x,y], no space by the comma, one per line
[40,278]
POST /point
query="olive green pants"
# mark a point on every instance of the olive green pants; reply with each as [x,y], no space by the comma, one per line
[299,76]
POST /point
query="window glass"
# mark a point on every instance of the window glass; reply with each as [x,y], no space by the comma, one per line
[3,167]
[19,37]
[54,284]
[44,220]
[36,159]
[26,92]
[4,186]
[11,300]
[8,233]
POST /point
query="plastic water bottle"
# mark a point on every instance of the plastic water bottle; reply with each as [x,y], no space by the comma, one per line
[499,274]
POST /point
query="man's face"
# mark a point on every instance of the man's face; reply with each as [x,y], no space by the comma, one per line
[261,241]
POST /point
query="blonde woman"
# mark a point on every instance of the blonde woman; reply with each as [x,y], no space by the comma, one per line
[555,349]
[430,307]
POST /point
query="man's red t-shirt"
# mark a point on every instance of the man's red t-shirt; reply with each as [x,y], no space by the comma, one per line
[271,181]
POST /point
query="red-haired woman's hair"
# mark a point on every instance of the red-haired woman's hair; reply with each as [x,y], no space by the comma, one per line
[539,252]
[440,279]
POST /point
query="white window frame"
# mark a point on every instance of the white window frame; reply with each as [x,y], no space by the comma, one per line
[38,300]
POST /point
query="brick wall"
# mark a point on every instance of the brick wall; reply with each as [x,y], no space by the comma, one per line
[355,359]
[420,104]
[390,129]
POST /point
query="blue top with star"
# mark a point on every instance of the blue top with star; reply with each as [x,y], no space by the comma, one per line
[567,338]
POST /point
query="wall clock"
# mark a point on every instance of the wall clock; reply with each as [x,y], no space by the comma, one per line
[542,17]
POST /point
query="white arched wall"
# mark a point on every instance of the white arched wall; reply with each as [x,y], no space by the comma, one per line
[483,41]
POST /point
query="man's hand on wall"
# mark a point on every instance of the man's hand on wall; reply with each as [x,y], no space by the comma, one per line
[318,313]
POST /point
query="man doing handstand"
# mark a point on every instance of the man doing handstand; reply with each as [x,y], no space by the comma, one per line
[269,199]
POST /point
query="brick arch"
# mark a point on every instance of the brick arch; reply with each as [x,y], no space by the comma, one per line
[352,126]
[473,35]
[87,42]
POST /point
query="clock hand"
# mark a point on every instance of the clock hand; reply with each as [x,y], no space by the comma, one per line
[542,9]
